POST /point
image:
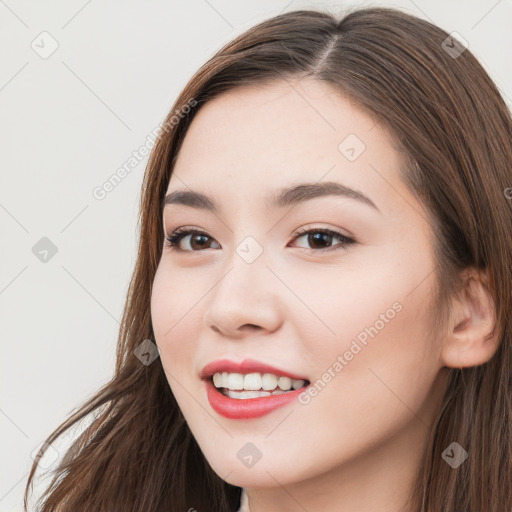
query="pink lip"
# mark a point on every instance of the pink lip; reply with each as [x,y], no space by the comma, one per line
[234,408]
[240,409]
[246,366]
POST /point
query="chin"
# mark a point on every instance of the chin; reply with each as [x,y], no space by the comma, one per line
[253,479]
[262,474]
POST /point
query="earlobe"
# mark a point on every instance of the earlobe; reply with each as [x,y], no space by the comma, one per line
[472,337]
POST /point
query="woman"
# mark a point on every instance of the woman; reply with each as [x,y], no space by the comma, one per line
[324,265]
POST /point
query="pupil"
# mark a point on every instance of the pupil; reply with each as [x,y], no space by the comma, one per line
[194,238]
[317,236]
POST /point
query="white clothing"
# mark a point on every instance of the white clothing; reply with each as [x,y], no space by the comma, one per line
[244,502]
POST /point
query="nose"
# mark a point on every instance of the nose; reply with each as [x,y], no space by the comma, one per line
[244,301]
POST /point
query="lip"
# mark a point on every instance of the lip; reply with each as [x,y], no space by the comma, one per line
[247,408]
[245,366]
[235,408]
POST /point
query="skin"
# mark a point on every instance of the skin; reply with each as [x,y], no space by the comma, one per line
[358,442]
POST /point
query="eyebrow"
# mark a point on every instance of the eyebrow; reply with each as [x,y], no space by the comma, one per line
[285,197]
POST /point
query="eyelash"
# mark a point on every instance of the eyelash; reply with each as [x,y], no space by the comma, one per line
[172,240]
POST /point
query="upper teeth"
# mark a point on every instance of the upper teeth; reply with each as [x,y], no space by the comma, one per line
[255,381]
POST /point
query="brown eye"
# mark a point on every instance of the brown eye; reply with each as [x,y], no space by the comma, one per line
[198,240]
[323,237]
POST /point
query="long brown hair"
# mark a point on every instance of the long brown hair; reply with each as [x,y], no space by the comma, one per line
[455,131]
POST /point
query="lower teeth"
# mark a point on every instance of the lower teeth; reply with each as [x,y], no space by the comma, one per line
[250,394]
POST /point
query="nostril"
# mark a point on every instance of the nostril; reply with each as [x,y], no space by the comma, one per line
[250,327]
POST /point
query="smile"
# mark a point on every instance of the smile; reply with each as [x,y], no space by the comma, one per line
[239,396]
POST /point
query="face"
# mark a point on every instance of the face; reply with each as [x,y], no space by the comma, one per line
[342,306]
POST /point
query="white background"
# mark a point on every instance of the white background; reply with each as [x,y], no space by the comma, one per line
[67,123]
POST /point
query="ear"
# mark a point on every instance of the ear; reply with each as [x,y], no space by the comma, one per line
[472,338]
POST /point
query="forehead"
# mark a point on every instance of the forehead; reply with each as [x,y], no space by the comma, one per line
[289,118]
[256,139]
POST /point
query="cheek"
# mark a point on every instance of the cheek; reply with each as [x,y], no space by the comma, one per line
[174,298]
[172,316]
[376,373]
[376,298]
[367,341]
